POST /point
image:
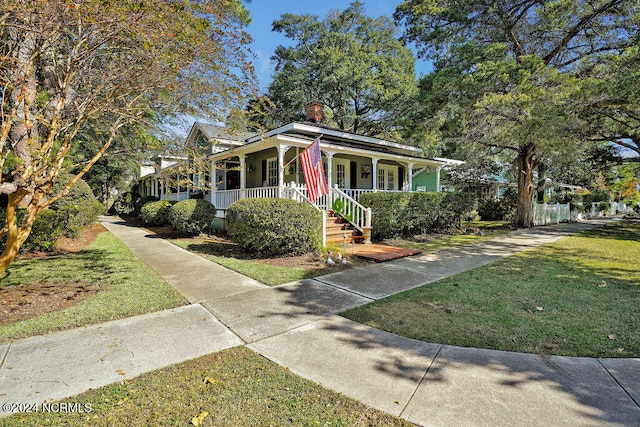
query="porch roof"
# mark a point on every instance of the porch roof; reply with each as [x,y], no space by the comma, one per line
[319,130]
[336,144]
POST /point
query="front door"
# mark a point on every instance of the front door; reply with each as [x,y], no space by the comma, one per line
[387,177]
[342,173]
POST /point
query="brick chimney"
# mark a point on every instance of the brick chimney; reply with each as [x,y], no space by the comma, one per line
[314,112]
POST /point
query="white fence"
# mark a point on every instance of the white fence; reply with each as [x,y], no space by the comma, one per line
[619,208]
[544,214]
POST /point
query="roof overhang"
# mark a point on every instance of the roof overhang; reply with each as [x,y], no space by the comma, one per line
[320,131]
[278,139]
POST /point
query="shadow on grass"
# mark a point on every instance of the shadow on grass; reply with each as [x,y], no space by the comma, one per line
[622,230]
[90,263]
[226,250]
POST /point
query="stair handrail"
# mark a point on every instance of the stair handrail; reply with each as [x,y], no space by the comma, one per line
[357,215]
[292,192]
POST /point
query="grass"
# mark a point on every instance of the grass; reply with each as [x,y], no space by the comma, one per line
[127,287]
[233,259]
[576,297]
[244,389]
[436,242]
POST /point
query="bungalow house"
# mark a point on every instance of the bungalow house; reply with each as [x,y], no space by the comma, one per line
[266,165]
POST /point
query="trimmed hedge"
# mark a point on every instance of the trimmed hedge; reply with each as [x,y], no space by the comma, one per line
[156,213]
[410,214]
[78,209]
[274,226]
[192,216]
[45,231]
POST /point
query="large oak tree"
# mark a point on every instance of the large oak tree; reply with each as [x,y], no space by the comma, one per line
[514,74]
[100,67]
[355,65]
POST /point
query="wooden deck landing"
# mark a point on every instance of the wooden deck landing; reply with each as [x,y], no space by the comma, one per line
[381,253]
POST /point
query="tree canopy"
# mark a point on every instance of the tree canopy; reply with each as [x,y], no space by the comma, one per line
[521,75]
[93,67]
[353,64]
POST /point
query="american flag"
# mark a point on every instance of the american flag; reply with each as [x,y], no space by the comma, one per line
[311,161]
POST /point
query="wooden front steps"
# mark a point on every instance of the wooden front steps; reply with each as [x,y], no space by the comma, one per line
[337,228]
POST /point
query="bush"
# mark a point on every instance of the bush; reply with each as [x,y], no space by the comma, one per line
[78,209]
[498,210]
[389,213]
[410,214]
[454,206]
[156,213]
[46,230]
[595,197]
[274,226]
[192,216]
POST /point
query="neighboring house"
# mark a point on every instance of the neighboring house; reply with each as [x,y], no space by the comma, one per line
[265,165]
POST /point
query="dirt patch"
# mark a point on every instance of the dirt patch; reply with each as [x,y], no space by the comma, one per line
[31,300]
[66,245]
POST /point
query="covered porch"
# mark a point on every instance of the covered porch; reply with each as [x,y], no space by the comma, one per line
[270,168]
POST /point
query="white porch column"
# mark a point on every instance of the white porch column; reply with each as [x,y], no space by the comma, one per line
[438,179]
[243,175]
[410,176]
[374,171]
[213,178]
[329,168]
[282,149]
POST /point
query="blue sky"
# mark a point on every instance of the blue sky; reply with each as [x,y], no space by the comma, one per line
[264,12]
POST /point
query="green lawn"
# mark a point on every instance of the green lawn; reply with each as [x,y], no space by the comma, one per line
[235,387]
[233,259]
[127,287]
[576,297]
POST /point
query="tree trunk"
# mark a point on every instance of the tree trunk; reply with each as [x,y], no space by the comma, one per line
[526,165]
[16,233]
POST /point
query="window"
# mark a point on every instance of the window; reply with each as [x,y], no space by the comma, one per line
[381,180]
[387,177]
[272,172]
[341,175]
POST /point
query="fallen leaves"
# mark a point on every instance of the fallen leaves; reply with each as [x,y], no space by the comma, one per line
[198,419]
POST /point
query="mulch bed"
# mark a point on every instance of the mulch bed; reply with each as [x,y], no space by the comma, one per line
[33,299]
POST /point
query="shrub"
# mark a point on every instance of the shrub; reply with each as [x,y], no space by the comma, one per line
[274,226]
[156,213]
[387,210]
[46,230]
[192,216]
[595,197]
[498,210]
[410,214]
[454,206]
[78,209]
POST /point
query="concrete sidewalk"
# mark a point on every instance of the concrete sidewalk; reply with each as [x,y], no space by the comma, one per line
[296,326]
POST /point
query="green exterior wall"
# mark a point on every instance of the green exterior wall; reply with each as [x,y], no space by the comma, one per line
[428,179]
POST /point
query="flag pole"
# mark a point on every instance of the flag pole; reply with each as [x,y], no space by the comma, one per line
[296,157]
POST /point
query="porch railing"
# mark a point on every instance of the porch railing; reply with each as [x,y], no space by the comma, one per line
[347,206]
[225,198]
[356,193]
[299,194]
